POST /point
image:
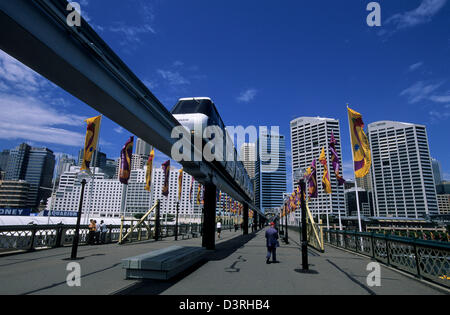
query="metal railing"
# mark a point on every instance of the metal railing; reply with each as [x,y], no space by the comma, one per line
[425,259]
[33,236]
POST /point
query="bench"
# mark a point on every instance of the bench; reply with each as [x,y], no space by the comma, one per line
[162,264]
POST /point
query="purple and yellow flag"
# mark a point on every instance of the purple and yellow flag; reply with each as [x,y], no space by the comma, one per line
[90,141]
[198,193]
[360,144]
[312,180]
[166,169]
[335,160]
[125,161]
[326,175]
[148,172]
[180,183]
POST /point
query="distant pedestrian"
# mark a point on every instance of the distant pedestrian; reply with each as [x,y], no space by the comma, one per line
[91,234]
[103,231]
[97,232]
[271,243]
[219,228]
[236,227]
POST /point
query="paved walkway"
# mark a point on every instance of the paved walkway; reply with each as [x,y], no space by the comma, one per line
[236,267]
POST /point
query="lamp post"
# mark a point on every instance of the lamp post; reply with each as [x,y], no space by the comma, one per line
[76,237]
[298,175]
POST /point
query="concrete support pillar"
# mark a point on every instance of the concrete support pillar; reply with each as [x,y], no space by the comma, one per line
[209,221]
[255,222]
[245,219]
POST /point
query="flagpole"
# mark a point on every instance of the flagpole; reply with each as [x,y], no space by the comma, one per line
[354,172]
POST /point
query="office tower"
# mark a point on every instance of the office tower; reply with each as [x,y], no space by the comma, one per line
[109,169]
[365,182]
[248,158]
[365,202]
[4,156]
[64,164]
[402,176]
[34,165]
[270,171]
[308,136]
[444,203]
[98,158]
[142,147]
[437,171]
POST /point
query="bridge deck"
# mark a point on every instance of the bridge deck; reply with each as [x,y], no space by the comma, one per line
[236,267]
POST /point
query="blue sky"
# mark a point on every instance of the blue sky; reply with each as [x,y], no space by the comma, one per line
[262,62]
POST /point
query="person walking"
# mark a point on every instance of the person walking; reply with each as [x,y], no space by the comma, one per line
[219,228]
[271,243]
[103,231]
[91,234]
[97,232]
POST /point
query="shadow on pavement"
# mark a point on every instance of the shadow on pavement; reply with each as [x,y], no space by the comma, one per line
[153,287]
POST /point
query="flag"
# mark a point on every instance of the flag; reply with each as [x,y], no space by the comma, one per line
[360,144]
[198,193]
[166,169]
[326,176]
[180,183]
[90,141]
[335,160]
[148,173]
[312,180]
[125,161]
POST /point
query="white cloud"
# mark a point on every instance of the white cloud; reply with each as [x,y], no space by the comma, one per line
[28,118]
[440,98]
[118,129]
[247,96]
[173,77]
[422,14]
[17,78]
[419,91]
[131,34]
[415,66]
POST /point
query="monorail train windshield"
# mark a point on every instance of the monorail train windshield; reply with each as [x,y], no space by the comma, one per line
[193,106]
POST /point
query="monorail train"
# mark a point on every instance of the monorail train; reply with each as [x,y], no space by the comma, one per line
[201,111]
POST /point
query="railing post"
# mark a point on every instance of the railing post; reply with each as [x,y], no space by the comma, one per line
[33,235]
[59,232]
[387,250]
[373,244]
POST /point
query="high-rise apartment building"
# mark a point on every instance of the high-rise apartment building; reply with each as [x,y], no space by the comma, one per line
[308,136]
[270,171]
[103,197]
[402,175]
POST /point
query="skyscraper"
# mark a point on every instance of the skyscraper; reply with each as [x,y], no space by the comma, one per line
[402,176]
[437,171]
[270,171]
[142,147]
[308,136]
[35,166]
[248,156]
